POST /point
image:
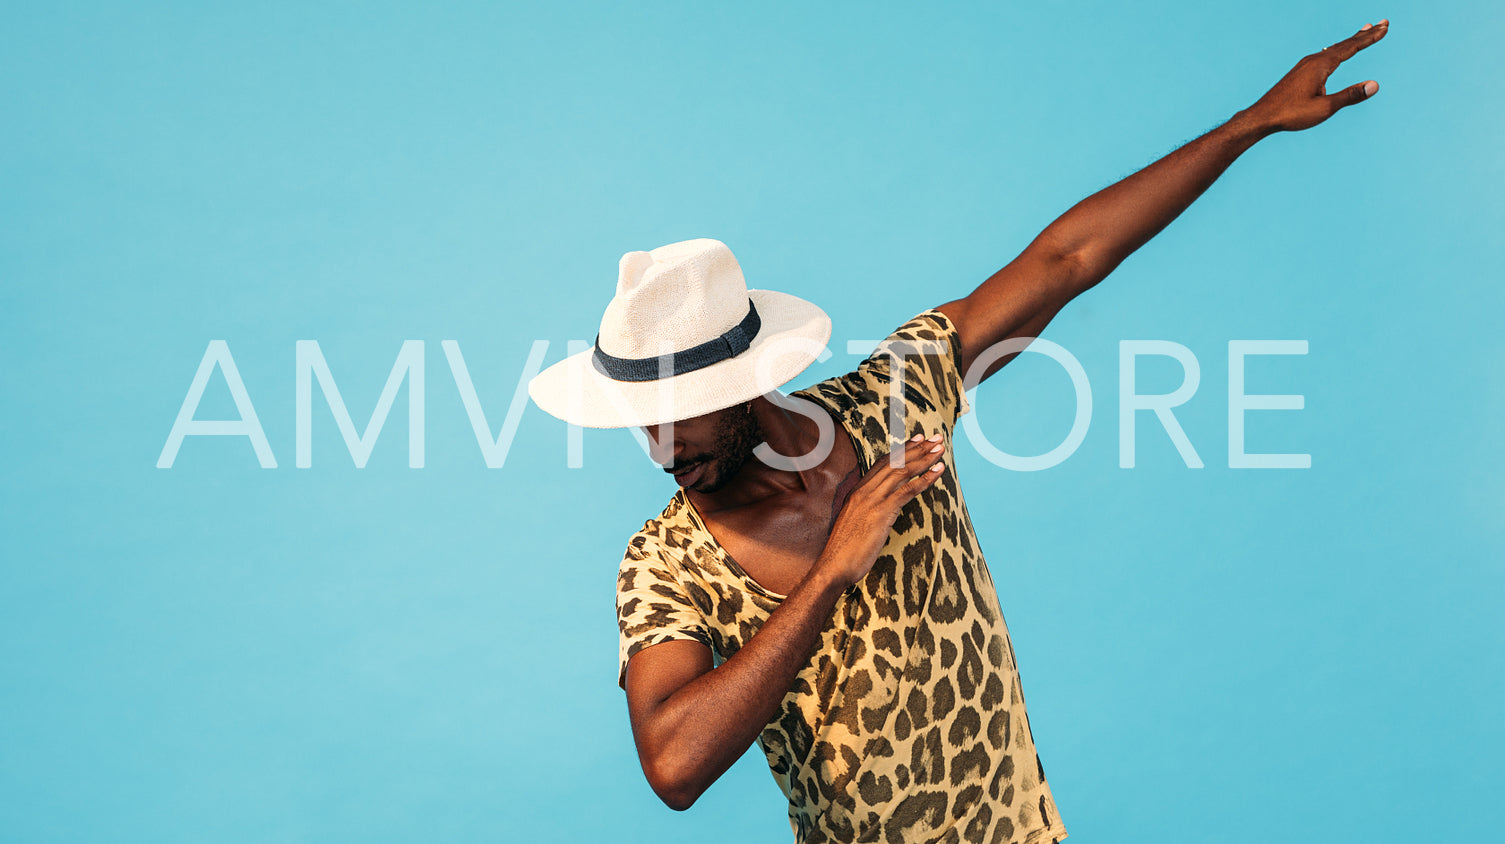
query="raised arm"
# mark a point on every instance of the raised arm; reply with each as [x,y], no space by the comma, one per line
[690,721]
[1087,242]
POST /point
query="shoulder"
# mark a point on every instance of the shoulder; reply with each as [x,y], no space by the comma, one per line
[928,344]
[919,363]
[658,597]
[671,548]
[933,324]
[666,532]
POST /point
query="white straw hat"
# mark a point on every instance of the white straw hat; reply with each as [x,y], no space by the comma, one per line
[683,337]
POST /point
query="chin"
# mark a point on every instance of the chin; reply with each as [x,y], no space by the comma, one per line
[709,484]
[716,477]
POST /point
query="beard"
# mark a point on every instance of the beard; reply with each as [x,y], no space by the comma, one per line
[736,438]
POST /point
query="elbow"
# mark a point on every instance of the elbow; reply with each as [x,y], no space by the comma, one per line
[1067,275]
[1053,247]
[673,785]
[1084,267]
[678,801]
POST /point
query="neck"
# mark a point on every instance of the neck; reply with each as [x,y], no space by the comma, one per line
[787,433]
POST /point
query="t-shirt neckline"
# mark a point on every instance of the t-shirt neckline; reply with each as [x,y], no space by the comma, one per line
[698,522]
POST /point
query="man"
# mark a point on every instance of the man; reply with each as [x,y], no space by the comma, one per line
[815,585]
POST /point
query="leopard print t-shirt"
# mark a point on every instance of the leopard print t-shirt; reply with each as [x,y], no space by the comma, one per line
[908,723]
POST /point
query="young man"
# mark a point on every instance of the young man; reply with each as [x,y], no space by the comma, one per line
[815,585]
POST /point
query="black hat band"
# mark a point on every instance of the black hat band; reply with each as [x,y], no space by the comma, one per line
[734,342]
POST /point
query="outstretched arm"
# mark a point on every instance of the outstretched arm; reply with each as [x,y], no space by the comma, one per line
[1087,242]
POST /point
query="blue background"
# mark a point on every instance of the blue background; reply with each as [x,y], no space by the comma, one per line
[221,652]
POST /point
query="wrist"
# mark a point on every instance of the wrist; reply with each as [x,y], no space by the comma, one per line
[1248,127]
[828,578]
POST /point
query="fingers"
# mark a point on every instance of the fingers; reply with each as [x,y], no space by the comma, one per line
[920,453]
[1345,49]
[915,485]
[924,459]
[916,458]
[913,448]
[1353,94]
[924,455]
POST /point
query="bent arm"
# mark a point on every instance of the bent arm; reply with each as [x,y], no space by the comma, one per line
[691,722]
[1086,243]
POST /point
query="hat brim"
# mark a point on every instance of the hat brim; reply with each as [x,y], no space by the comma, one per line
[793,335]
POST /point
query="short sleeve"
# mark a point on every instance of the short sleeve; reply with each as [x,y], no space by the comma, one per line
[653,604]
[931,373]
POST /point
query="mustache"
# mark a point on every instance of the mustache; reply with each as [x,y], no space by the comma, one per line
[681,465]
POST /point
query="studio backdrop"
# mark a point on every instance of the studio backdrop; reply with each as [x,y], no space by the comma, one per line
[287,555]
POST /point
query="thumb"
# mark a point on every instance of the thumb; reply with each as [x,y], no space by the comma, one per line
[1353,94]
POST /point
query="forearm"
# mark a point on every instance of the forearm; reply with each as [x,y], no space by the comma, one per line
[1087,242]
[1099,232]
[690,736]
[700,730]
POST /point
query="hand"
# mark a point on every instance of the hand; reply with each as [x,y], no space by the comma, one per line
[1300,99]
[862,528]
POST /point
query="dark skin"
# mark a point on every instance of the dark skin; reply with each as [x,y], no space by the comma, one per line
[810,534]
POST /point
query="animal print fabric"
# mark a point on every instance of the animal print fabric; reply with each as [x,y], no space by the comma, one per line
[908,724]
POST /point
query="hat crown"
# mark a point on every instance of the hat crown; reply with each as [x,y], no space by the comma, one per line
[673,298]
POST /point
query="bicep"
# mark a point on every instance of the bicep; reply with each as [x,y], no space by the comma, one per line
[1017,301]
[655,673]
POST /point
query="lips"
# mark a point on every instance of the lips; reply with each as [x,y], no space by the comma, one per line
[689,476]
